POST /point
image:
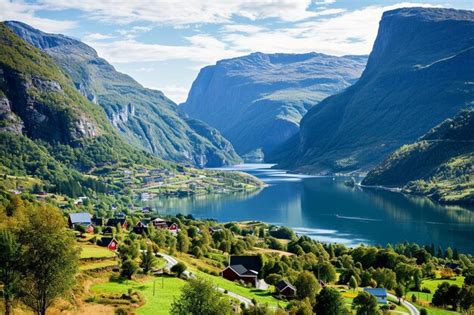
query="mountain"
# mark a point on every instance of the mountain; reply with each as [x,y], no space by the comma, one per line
[48,130]
[257,101]
[419,73]
[145,117]
[440,164]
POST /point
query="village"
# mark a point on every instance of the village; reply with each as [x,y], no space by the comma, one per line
[244,260]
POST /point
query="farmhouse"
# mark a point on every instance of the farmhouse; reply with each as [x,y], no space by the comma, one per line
[239,272]
[81,218]
[109,242]
[379,293]
[245,268]
[159,223]
[118,221]
[286,289]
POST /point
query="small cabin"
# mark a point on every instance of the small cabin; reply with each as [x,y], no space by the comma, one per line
[82,219]
[118,221]
[109,242]
[379,293]
[240,273]
[286,289]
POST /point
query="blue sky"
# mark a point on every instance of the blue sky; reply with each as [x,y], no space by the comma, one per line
[164,43]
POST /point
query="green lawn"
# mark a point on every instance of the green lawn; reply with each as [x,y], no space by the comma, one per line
[160,303]
[94,251]
[433,284]
[264,297]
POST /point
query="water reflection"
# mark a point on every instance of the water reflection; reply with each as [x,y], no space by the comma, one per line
[326,209]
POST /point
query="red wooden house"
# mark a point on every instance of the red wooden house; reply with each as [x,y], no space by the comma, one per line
[286,289]
[109,242]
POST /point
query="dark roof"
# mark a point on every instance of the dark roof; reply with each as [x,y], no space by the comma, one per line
[115,221]
[108,229]
[283,284]
[242,271]
[81,217]
[98,221]
[105,241]
[249,262]
[380,292]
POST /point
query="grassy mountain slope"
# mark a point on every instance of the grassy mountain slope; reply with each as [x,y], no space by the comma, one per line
[48,129]
[145,117]
[419,73]
[440,164]
[257,101]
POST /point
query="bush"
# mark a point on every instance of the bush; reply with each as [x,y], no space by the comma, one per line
[425,290]
[423,311]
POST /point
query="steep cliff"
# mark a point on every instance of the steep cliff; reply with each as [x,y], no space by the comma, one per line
[145,117]
[257,101]
[419,73]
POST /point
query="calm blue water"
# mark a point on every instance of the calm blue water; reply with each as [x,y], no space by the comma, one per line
[327,210]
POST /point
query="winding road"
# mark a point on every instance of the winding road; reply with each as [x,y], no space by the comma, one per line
[171,261]
[413,310]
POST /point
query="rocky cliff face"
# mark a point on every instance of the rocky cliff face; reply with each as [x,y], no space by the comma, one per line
[420,72]
[146,118]
[257,101]
[38,107]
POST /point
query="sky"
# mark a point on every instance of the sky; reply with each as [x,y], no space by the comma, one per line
[164,43]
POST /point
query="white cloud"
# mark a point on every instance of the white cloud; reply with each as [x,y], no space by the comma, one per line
[25,12]
[241,28]
[177,94]
[192,12]
[90,37]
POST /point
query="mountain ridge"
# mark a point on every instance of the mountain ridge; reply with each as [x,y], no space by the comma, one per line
[416,77]
[145,117]
[257,100]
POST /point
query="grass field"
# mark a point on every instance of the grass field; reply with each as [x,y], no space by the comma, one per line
[159,303]
[94,251]
[433,284]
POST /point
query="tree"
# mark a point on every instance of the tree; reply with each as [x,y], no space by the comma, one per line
[128,268]
[50,258]
[353,283]
[200,296]
[423,311]
[197,252]
[81,229]
[306,286]
[325,271]
[148,260]
[182,242]
[302,307]
[365,304]
[399,292]
[467,297]
[179,268]
[10,256]
[447,295]
[329,301]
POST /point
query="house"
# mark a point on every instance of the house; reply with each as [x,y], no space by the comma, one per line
[286,289]
[239,272]
[245,268]
[81,218]
[379,293]
[109,242]
[98,221]
[118,221]
[159,223]
[249,262]
[140,228]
